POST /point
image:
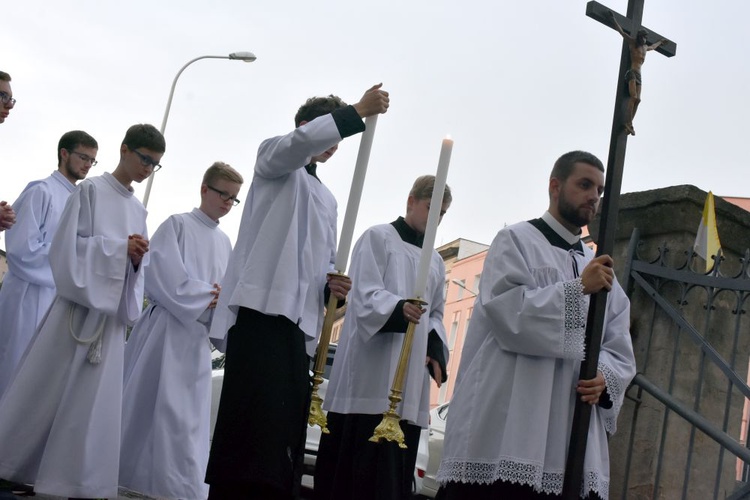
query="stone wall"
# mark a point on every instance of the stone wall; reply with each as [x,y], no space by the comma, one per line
[670,217]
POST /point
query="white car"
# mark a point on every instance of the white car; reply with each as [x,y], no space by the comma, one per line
[313,433]
[423,458]
[429,485]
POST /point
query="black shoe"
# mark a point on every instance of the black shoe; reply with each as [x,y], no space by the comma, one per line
[22,490]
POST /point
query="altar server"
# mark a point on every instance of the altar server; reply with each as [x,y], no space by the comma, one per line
[384,270]
[271,308]
[60,417]
[28,287]
[167,392]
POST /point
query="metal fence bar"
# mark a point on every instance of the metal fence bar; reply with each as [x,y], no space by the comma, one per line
[728,404]
[665,420]
[699,390]
[634,422]
[694,418]
[652,277]
[743,492]
[695,336]
[692,278]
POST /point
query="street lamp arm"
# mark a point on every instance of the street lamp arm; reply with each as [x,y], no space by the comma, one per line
[235,56]
[174,84]
[459,283]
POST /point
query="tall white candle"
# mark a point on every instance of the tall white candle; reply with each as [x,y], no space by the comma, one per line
[355,194]
[433,217]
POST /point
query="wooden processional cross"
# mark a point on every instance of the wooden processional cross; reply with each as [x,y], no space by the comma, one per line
[630,24]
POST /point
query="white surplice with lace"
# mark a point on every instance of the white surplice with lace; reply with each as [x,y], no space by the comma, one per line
[512,410]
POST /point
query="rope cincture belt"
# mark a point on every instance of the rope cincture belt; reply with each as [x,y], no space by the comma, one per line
[94,355]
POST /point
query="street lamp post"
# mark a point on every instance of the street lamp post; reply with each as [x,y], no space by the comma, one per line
[234,56]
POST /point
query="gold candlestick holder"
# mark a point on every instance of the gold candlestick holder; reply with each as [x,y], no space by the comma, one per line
[389,428]
[316,416]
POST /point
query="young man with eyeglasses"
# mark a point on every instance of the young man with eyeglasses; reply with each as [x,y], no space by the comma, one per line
[7,215]
[270,311]
[60,416]
[167,389]
[6,96]
[28,288]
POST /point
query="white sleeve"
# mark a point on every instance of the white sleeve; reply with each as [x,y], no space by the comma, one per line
[90,269]
[281,155]
[526,318]
[376,302]
[169,281]
[27,244]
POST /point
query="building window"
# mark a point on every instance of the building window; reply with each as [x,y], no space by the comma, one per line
[454,330]
[445,291]
[468,320]
[475,288]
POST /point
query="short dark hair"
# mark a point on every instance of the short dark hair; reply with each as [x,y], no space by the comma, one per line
[73,139]
[146,136]
[4,77]
[317,106]
[564,165]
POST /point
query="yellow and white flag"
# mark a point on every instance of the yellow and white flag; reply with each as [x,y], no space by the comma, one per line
[707,240]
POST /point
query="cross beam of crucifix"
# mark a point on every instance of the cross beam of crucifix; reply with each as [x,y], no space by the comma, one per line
[629,24]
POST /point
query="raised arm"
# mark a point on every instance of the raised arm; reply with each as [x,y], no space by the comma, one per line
[374,101]
[657,44]
[616,25]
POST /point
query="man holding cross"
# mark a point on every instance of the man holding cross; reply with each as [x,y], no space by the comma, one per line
[511,413]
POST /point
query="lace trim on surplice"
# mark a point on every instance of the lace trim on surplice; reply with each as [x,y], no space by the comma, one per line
[574,319]
[514,471]
[614,388]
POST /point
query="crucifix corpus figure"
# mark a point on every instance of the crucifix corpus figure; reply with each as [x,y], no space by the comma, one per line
[638,47]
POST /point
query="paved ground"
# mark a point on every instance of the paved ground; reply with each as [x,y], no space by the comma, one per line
[124,495]
[6,495]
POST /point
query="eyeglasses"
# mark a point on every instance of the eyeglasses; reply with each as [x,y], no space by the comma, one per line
[146,161]
[224,195]
[7,99]
[84,157]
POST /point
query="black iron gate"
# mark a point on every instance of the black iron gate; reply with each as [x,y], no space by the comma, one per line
[683,431]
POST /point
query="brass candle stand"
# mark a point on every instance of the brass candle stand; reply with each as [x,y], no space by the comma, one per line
[316,416]
[390,428]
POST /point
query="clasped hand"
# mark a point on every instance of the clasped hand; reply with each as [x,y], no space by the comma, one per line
[137,248]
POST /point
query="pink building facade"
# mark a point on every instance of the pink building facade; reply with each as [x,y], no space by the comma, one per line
[464,260]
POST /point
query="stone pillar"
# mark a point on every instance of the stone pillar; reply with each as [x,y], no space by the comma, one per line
[670,217]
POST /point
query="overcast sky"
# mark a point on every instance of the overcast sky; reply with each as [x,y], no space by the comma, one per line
[514,83]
